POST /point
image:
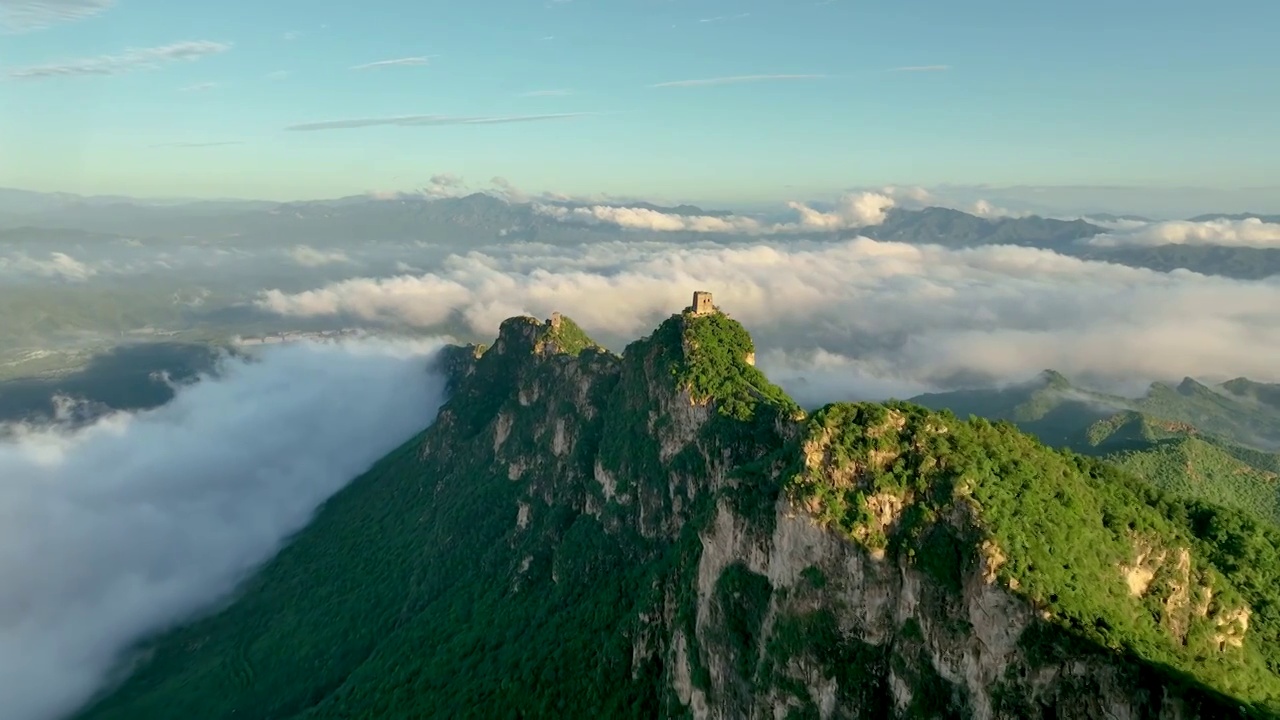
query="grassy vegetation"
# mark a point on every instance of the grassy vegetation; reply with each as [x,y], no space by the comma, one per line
[1067,527]
[1191,467]
[568,337]
[707,355]
[416,593]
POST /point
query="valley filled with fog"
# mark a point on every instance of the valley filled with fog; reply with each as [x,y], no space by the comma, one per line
[632,359]
[182,385]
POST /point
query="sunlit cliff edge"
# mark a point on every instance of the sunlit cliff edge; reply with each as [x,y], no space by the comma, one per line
[665,533]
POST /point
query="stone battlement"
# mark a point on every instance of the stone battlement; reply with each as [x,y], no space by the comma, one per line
[702,304]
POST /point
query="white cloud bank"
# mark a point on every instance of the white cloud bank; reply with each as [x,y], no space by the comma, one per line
[909,316]
[851,211]
[1249,232]
[121,528]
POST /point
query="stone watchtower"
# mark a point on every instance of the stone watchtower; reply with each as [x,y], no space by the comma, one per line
[702,303]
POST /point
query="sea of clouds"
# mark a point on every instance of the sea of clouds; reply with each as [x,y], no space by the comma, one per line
[116,530]
[152,516]
[855,318]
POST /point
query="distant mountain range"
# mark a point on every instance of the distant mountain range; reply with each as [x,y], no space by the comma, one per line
[1217,443]
[485,219]
[953,228]
[1241,263]
[20,202]
[1236,216]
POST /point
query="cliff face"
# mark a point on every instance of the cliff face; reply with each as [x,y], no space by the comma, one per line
[843,635]
[665,534]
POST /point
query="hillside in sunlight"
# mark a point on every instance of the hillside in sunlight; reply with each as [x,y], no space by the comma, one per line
[665,533]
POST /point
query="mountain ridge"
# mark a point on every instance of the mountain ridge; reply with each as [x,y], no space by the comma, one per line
[665,533]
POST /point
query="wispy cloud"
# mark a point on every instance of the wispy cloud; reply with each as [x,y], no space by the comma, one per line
[396,62]
[426,120]
[128,61]
[546,93]
[921,68]
[735,79]
[292,35]
[219,143]
[24,15]
[199,87]
[721,18]
[277,75]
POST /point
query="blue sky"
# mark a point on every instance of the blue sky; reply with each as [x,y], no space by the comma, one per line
[97,100]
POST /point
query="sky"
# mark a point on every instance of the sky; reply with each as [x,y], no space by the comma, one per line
[711,100]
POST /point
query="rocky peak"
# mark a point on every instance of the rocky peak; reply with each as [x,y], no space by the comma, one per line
[519,334]
[525,335]
[663,533]
[681,434]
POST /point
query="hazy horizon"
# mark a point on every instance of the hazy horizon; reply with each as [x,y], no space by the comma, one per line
[1059,201]
[719,102]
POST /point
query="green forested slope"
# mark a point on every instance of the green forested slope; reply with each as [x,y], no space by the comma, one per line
[1071,533]
[536,553]
[405,599]
[416,593]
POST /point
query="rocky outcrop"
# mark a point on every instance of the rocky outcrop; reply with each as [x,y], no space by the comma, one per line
[780,615]
[663,533]
[847,635]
